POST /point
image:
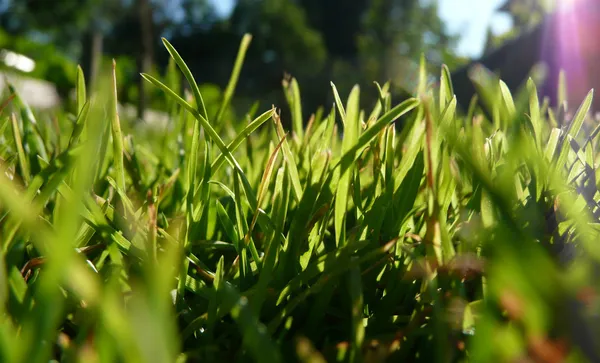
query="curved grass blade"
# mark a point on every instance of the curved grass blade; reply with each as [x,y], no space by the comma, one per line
[245,133]
[211,133]
[188,75]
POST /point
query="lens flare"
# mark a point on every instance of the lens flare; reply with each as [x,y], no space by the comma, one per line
[570,43]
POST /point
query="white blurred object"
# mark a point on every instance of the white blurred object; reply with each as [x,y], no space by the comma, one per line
[36,93]
[17,61]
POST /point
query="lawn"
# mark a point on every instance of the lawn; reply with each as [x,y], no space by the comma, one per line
[409,232]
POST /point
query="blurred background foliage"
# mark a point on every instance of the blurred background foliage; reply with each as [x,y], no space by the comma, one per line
[345,41]
[315,41]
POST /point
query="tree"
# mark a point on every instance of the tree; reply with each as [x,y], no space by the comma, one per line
[394,34]
[524,14]
[379,39]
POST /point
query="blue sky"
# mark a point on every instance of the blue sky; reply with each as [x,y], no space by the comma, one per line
[469,19]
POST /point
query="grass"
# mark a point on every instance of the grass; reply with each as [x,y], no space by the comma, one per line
[455,237]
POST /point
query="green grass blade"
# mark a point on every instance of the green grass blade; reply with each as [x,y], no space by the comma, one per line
[339,103]
[562,88]
[351,133]
[81,99]
[573,130]
[508,100]
[116,132]
[79,124]
[446,90]
[356,300]
[228,226]
[243,135]
[580,115]
[246,277]
[292,91]
[23,161]
[534,112]
[369,134]
[290,161]
[272,249]
[188,75]
[255,336]
[30,136]
[235,74]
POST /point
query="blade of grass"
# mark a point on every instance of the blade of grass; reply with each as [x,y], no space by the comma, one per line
[211,133]
[356,300]
[446,90]
[351,134]
[23,161]
[188,76]
[116,132]
[292,91]
[80,90]
[243,135]
[235,74]
[339,103]
[289,159]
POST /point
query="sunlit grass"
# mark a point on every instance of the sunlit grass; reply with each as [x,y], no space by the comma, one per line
[347,238]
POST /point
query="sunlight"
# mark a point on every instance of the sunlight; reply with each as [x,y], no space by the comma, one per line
[566,46]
